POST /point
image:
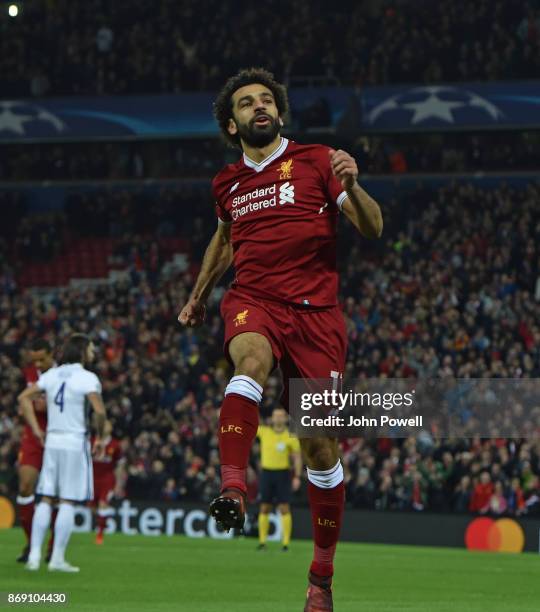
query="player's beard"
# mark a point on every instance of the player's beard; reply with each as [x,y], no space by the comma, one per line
[258,136]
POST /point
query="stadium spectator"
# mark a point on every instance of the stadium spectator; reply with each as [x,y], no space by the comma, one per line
[497,502]
[482,495]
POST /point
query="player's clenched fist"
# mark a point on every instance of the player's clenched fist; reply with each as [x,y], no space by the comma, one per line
[344,167]
[193,314]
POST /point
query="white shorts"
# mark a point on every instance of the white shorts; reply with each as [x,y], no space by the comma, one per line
[67,472]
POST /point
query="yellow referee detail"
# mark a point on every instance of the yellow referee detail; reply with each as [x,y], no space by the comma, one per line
[278,450]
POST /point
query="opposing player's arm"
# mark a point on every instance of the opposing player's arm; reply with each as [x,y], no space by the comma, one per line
[27,409]
[100,413]
[217,259]
[359,207]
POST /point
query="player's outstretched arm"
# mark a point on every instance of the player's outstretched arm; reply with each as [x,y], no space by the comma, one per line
[359,207]
[216,261]
[27,409]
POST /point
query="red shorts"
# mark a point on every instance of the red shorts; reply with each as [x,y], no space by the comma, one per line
[306,342]
[30,453]
[104,488]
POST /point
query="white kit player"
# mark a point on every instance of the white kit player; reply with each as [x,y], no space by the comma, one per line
[66,473]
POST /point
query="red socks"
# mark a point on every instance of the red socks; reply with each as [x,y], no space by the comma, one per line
[25,508]
[327,507]
[101,523]
[238,423]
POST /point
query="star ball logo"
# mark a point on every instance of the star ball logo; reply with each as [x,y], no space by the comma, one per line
[441,103]
[22,118]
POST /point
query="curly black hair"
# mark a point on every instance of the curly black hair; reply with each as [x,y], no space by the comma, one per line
[248,76]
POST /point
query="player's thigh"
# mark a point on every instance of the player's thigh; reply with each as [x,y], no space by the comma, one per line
[76,481]
[318,348]
[252,356]
[49,476]
[253,330]
[28,476]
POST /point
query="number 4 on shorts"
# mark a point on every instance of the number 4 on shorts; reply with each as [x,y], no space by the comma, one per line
[59,399]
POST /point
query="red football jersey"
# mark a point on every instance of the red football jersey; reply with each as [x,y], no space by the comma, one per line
[283,212]
[31,375]
[105,465]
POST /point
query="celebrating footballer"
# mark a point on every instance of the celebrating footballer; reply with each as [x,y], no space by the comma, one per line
[277,211]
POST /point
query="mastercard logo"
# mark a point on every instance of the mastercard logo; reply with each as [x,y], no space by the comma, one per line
[7,513]
[501,535]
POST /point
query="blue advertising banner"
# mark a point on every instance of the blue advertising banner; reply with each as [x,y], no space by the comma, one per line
[168,116]
[404,108]
[452,107]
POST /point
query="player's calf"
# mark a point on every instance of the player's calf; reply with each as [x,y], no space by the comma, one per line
[238,422]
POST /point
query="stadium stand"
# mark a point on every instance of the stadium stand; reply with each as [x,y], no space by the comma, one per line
[138,47]
[391,154]
[453,289]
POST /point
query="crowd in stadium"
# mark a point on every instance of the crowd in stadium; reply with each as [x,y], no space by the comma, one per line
[474,152]
[453,289]
[123,47]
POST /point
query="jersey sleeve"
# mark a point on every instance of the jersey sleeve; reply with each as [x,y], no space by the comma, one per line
[333,188]
[43,381]
[92,384]
[261,431]
[222,215]
[294,445]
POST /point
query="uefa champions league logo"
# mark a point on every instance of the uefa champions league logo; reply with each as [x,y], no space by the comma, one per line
[15,115]
[434,102]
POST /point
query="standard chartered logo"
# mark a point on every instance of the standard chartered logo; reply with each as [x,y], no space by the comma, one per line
[261,198]
[286,193]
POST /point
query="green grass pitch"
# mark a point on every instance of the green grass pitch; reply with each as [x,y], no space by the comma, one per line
[166,574]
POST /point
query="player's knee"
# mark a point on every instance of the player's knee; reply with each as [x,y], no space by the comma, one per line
[255,366]
[284,509]
[252,356]
[26,488]
[321,455]
[27,484]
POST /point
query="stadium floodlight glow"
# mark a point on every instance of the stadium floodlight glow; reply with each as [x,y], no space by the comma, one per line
[13,10]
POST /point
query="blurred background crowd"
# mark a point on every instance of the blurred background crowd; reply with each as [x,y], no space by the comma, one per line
[393,154]
[453,289]
[133,46]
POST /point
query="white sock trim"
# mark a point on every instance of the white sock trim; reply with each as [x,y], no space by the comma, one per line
[246,386]
[24,501]
[326,479]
